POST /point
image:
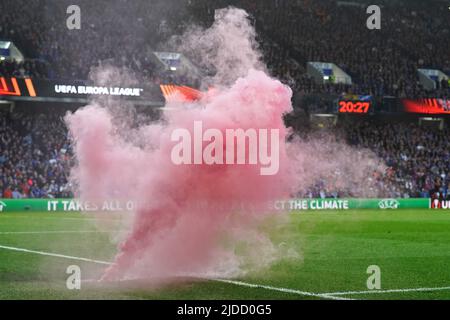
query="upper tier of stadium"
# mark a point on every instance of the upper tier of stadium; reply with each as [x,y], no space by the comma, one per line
[384,62]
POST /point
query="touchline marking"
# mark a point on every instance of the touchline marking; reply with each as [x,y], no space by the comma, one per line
[285,290]
[239,283]
[56,231]
[54,255]
[59,218]
[343,293]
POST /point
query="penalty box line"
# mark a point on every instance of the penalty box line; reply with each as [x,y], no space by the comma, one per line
[239,283]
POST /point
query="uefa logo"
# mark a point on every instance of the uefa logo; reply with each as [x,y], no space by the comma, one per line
[388,204]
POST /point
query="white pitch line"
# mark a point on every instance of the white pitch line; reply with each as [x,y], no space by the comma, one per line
[343,293]
[285,290]
[55,232]
[239,283]
[54,255]
[60,218]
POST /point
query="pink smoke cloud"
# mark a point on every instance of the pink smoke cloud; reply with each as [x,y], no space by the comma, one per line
[190,218]
[188,209]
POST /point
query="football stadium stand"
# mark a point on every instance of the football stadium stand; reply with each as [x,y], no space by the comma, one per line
[35,152]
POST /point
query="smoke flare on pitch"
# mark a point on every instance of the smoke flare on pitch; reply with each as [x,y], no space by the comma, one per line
[195,219]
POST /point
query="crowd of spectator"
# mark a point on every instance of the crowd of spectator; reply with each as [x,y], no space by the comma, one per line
[122,32]
[416,160]
[35,156]
[35,153]
[381,62]
[414,34]
[417,157]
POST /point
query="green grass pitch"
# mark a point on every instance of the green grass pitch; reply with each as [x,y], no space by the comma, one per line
[411,247]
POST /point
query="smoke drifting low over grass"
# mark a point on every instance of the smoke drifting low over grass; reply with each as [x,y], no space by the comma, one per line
[202,218]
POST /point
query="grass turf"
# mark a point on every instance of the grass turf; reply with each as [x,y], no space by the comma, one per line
[412,248]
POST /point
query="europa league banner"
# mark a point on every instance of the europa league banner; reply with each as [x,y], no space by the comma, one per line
[76,91]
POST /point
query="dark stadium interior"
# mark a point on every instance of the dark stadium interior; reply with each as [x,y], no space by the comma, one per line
[35,151]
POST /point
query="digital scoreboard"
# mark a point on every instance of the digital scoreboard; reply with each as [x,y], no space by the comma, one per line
[356,107]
